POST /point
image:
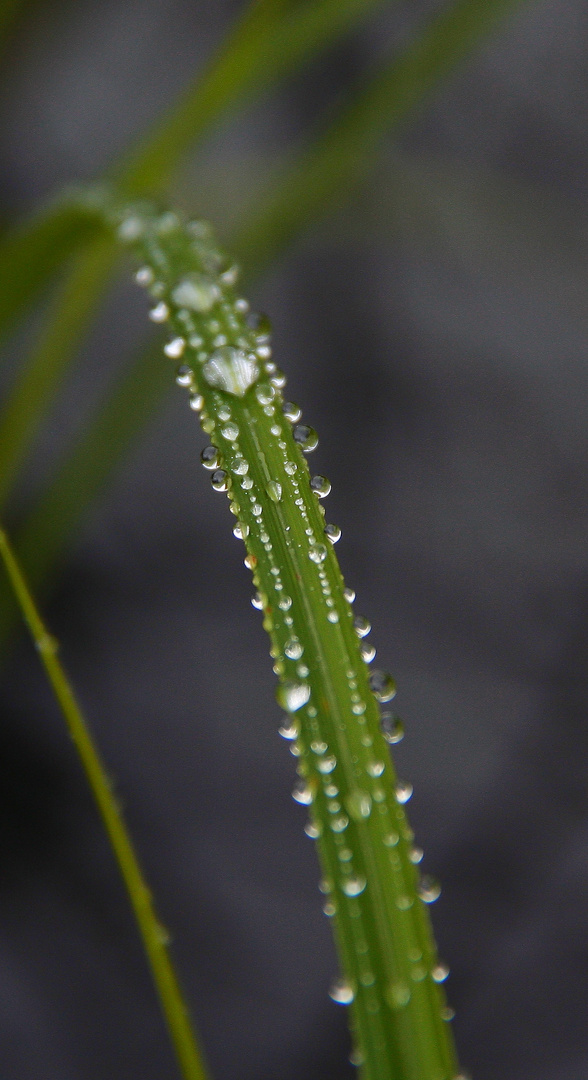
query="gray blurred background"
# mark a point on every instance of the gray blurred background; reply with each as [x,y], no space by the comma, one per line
[435,331]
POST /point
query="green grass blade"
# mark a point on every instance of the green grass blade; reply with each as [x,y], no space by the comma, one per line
[31,253]
[390,973]
[274,38]
[342,154]
[152,933]
[76,304]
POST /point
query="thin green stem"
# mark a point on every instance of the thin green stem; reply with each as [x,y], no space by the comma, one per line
[152,933]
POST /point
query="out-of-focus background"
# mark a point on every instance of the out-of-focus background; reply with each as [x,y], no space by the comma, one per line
[435,331]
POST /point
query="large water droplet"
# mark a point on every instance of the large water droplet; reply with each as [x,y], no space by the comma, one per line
[353,886]
[361,626]
[392,727]
[342,992]
[302,793]
[184,375]
[241,530]
[313,829]
[144,276]
[230,431]
[290,729]
[265,393]
[220,480]
[339,824]
[321,486]
[306,437]
[333,533]
[196,401]
[368,651]
[291,411]
[375,768]
[416,855]
[404,790]
[159,313]
[196,292]
[317,553]
[359,804]
[382,685]
[357,1057]
[231,370]
[293,649]
[274,490]
[349,594]
[440,972]
[210,457]
[327,764]
[429,889]
[257,602]
[174,348]
[292,695]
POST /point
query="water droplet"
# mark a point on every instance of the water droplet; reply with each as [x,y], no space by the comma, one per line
[247,483]
[440,972]
[447,1014]
[404,790]
[47,645]
[241,530]
[312,830]
[333,533]
[230,432]
[257,602]
[330,908]
[168,222]
[306,437]
[184,375]
[361,626]
[260,324]
[290,468]
[391,839]
[418,973]
[174,348]
[232,370]
[349,594]
[317,553]
[130,228]
[429,889]
[339,824]
[356,1057]
[353,886]
[210,457]
[333,617]
[224,413]
[285,602]
[293,649]
[398,995]
[292,695]
[342,992]
[302,793]
[265,393]
[159,313]
[319,747]
[301,669]
[359,804]
[382,685]
[392,727]
[144,276]
[327,764]
[375,768]
[321,486]
[230,276]
[416,855]
[274,491]
[241,467]
[220,480]
[196,292]
[196,402]
[404,903]
[368,651]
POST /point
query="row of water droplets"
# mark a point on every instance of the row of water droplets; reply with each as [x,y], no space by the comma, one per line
[230,351]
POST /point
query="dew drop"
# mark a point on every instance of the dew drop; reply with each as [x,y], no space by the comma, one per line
[306,437]
[241,467]
[333,533]
[230,432]
[174,348]
[319,747]
[349,594]
[418,973]
[359,804]
[257,602]
[327,764]
[361,626]
[291,411]
[210,457]
[333,617]
[285,602]
[429,889]
[220,480]
[339,824]
[241,530]
[130,228]
[317,553]
[447,1014]
[144,276]
[230,276]
[184,375]
[274,491]
[329,908]
[375,768]
[321,486]
[357,1057]
[247,483]
[292,695]
[404,903]
[353,886]
[293,649]
[196,292]
[398,995]
[440,972]
[290,729]
[196,402]
[392,727]
[312,830]
[416,855]
[391,839]
[290,468]
[342,992]
[368,651]
[159,313]
[382,685]
[232,370]
[265,393]
[404,790]
[302,793]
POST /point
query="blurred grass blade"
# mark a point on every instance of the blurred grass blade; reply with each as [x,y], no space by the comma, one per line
[343,153]
[34,390]
[31,253]
[274,38]
[152,933]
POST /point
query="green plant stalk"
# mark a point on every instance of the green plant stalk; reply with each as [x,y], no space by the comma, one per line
[390,973]
[35,388]
[151,930]
[341,155]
